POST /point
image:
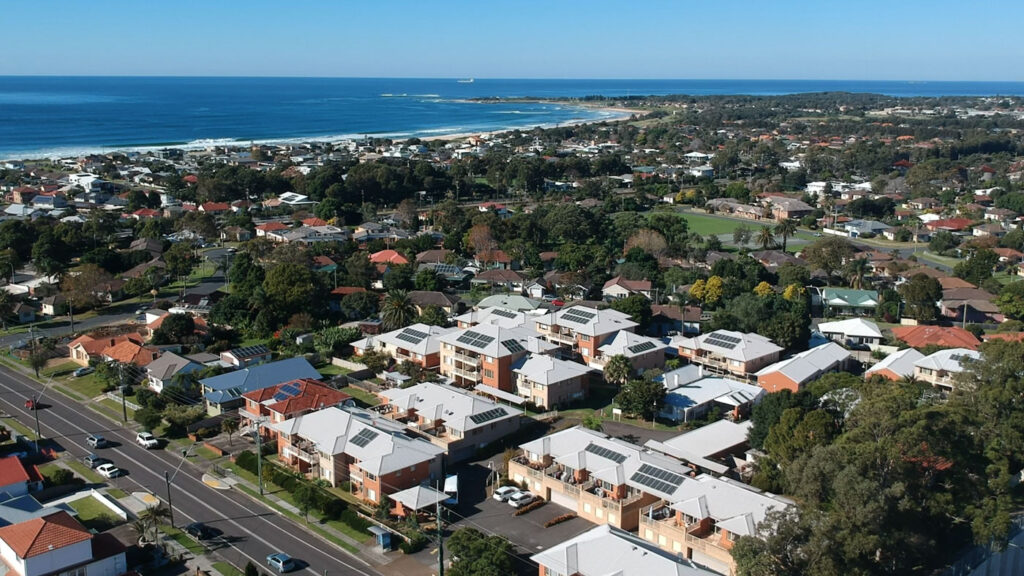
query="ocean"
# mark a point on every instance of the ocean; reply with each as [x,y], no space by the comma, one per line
[64,116]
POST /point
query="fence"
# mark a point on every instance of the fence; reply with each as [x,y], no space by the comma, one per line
[103,499]
[117,398]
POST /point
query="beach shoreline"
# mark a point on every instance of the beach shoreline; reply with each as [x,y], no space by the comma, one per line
[617,115]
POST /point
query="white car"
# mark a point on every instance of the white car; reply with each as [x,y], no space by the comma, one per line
[108,470]
[502,494]
[521,498]
[147,440]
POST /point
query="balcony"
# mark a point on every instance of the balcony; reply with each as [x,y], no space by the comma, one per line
[465,359]
[659,525]
[308,456]
[567,339]
[471,374]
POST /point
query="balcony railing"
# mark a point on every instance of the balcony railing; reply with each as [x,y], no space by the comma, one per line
[465,359]
[471,374]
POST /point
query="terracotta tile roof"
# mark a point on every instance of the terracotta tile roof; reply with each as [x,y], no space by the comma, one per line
[94,345]
[346,290]
[314,222]
[388,257]
[949,337]
[41,535]
[216,207]
[128,352]
[312,395]
[272,226]
[952,282]
[1008,336]
[12,471]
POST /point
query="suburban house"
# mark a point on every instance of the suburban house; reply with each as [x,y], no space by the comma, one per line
[896,366]
[23,313]
[54,305]
[605,550]
[508,280]
[421,299]
[17,480]
[728,352]
[603,480]
[849,302]
[495,315]
[90,347]
[944,336]
[246,356]
[705,517]
[418,343]
[362,448]
[618,288]
[972,305]
[59,544]
[692,394]
[455,420]
[852,332]
[224,392]
[130,352]
[160,373]
[794,372]
[939,369]
[548,382]
[484,354]
[643,352]
[284,401]
[581,329]
[718,448]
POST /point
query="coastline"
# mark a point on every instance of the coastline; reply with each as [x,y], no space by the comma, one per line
[616,114]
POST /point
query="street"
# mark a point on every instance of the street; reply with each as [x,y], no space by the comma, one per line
[252,530]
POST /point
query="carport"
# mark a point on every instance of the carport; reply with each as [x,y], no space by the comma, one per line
[416,499]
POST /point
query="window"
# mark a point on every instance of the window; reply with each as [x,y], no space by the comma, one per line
[585,337]
[488,359]
[488,373]
[76,572]
[369,476]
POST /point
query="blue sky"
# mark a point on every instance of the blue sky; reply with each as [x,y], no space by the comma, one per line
[783,39]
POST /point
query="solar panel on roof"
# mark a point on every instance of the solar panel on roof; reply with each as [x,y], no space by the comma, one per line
[411,336]
[722,341]
[364,437]
[488,415]
[657,479]
[504,313]
[578,316]
[606,453]
[247,351]
[513,346]
[641,347]
[281,397]
[474,339]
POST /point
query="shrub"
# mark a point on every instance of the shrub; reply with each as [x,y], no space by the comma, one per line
[246,460]
[416,543]
[559,519]
[63,476]
[333,507]
[354,521]
[529,507]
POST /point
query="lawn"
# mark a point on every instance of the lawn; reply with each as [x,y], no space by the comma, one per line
[361,395]
[94,514]
[332,370]
[226,569]
[18,427]
[117,493]
[59,370]
[115,408]
[85,472]
[704,225]
[195,548]
[89,386]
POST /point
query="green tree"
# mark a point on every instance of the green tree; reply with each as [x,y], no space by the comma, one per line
[920,295]
[1011,300]
[978,267]
[375,361]
[359,305]
[433,316]
[642,397]
[175,328]
[397,310]
[229,426]
[427,279]
[180,259]
[617,370]
[638,307]
[332,340]
[856,270]
[82,288]
[290,287]
[37,361]
[741,235]
[592,422]
[305,497]
[479,555]
[765,238]
[828,254]
[7,304]
[50,253]
[785,229]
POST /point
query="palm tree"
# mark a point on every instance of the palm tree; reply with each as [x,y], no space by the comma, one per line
[856,271]
[785,228]
[6,306]
[765,238]
[397,310]
[149,522]
[617,370]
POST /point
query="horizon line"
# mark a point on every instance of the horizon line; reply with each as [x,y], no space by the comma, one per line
[493,78]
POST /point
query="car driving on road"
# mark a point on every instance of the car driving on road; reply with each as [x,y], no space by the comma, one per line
[147,440]
[96,441]
[281,562]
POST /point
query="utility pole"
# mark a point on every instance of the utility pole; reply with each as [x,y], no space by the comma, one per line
[124,402]
[259,456]
[170,507]
[440,528]
[35,411]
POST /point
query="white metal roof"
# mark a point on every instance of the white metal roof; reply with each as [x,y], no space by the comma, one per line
[456,407]
[748,346]
[900,362]
[546,370]
[735,507]
[809,364]
[856,327]
[948,360]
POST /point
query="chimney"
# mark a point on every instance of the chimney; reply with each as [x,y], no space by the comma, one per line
[572,560]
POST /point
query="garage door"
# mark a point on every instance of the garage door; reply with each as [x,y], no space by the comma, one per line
[709,562]
[564,500]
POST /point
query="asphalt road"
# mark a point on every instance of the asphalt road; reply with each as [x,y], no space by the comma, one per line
[252,530]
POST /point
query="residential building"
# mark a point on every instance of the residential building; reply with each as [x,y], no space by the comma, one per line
[692,393]
[455,420]
[705,517]
[284,401]
[418,343]
[608,551]
[619,287]
[793,373]
[484,354]
[496,315]
[59,544]
[129,352]
[643,352]
[90,346]
[718,448]
[246,356]
[224,392]
[940,369]
[852,332]
[17,480]
[896,366]
[944,336]
[421,299]
[581,329]
[161,372]
[603,480]
[849,302]
[728,352]
[362,448]
[548,382]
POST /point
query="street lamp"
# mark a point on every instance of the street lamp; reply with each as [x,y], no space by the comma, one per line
[259,452]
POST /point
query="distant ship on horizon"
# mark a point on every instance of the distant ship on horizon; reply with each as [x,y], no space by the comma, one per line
[466,81]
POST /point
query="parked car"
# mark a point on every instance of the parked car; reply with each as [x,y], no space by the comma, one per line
[147,440]
[558,303]
[199,531]
[96,441]
[521,498]
[140,311]
[94,461]
[84,370]
[281,562]
[108,470]
[502,494]
[550,297]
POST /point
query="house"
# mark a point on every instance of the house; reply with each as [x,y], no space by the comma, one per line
[130,352]
[267,229]
[16,480]
[154,246]
[548,382]
[495,315]
[457,421]
[235,234]
[246,356]
[728,352]
[784,208]
[215,208]
[852,332]
[666,319]
[53,305]
[605,550]
[849,302]
[224,392]
[23,313]
[509,280]
[59,544]
[484,354]
[162,371]
[858,228]
[705,517]
[369,452]
[619,287]
[896,366]
[940,369]
[418,343]
[581,329]
[284,401]
[944,336]
[691,393]
[973,305]
[717,448]
[795,372]
[993,229]
[643,352]
[90,347]
[602,479]
[772,259]
[438,256]
[387,258]
[949,224]
[923,203]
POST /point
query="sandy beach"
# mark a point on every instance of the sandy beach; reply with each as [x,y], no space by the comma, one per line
[618,114]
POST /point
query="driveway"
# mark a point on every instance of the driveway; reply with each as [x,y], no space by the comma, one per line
[526,531]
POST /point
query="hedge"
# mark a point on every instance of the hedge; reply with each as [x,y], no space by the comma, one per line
[529,507]
[559,519]
[416,543]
